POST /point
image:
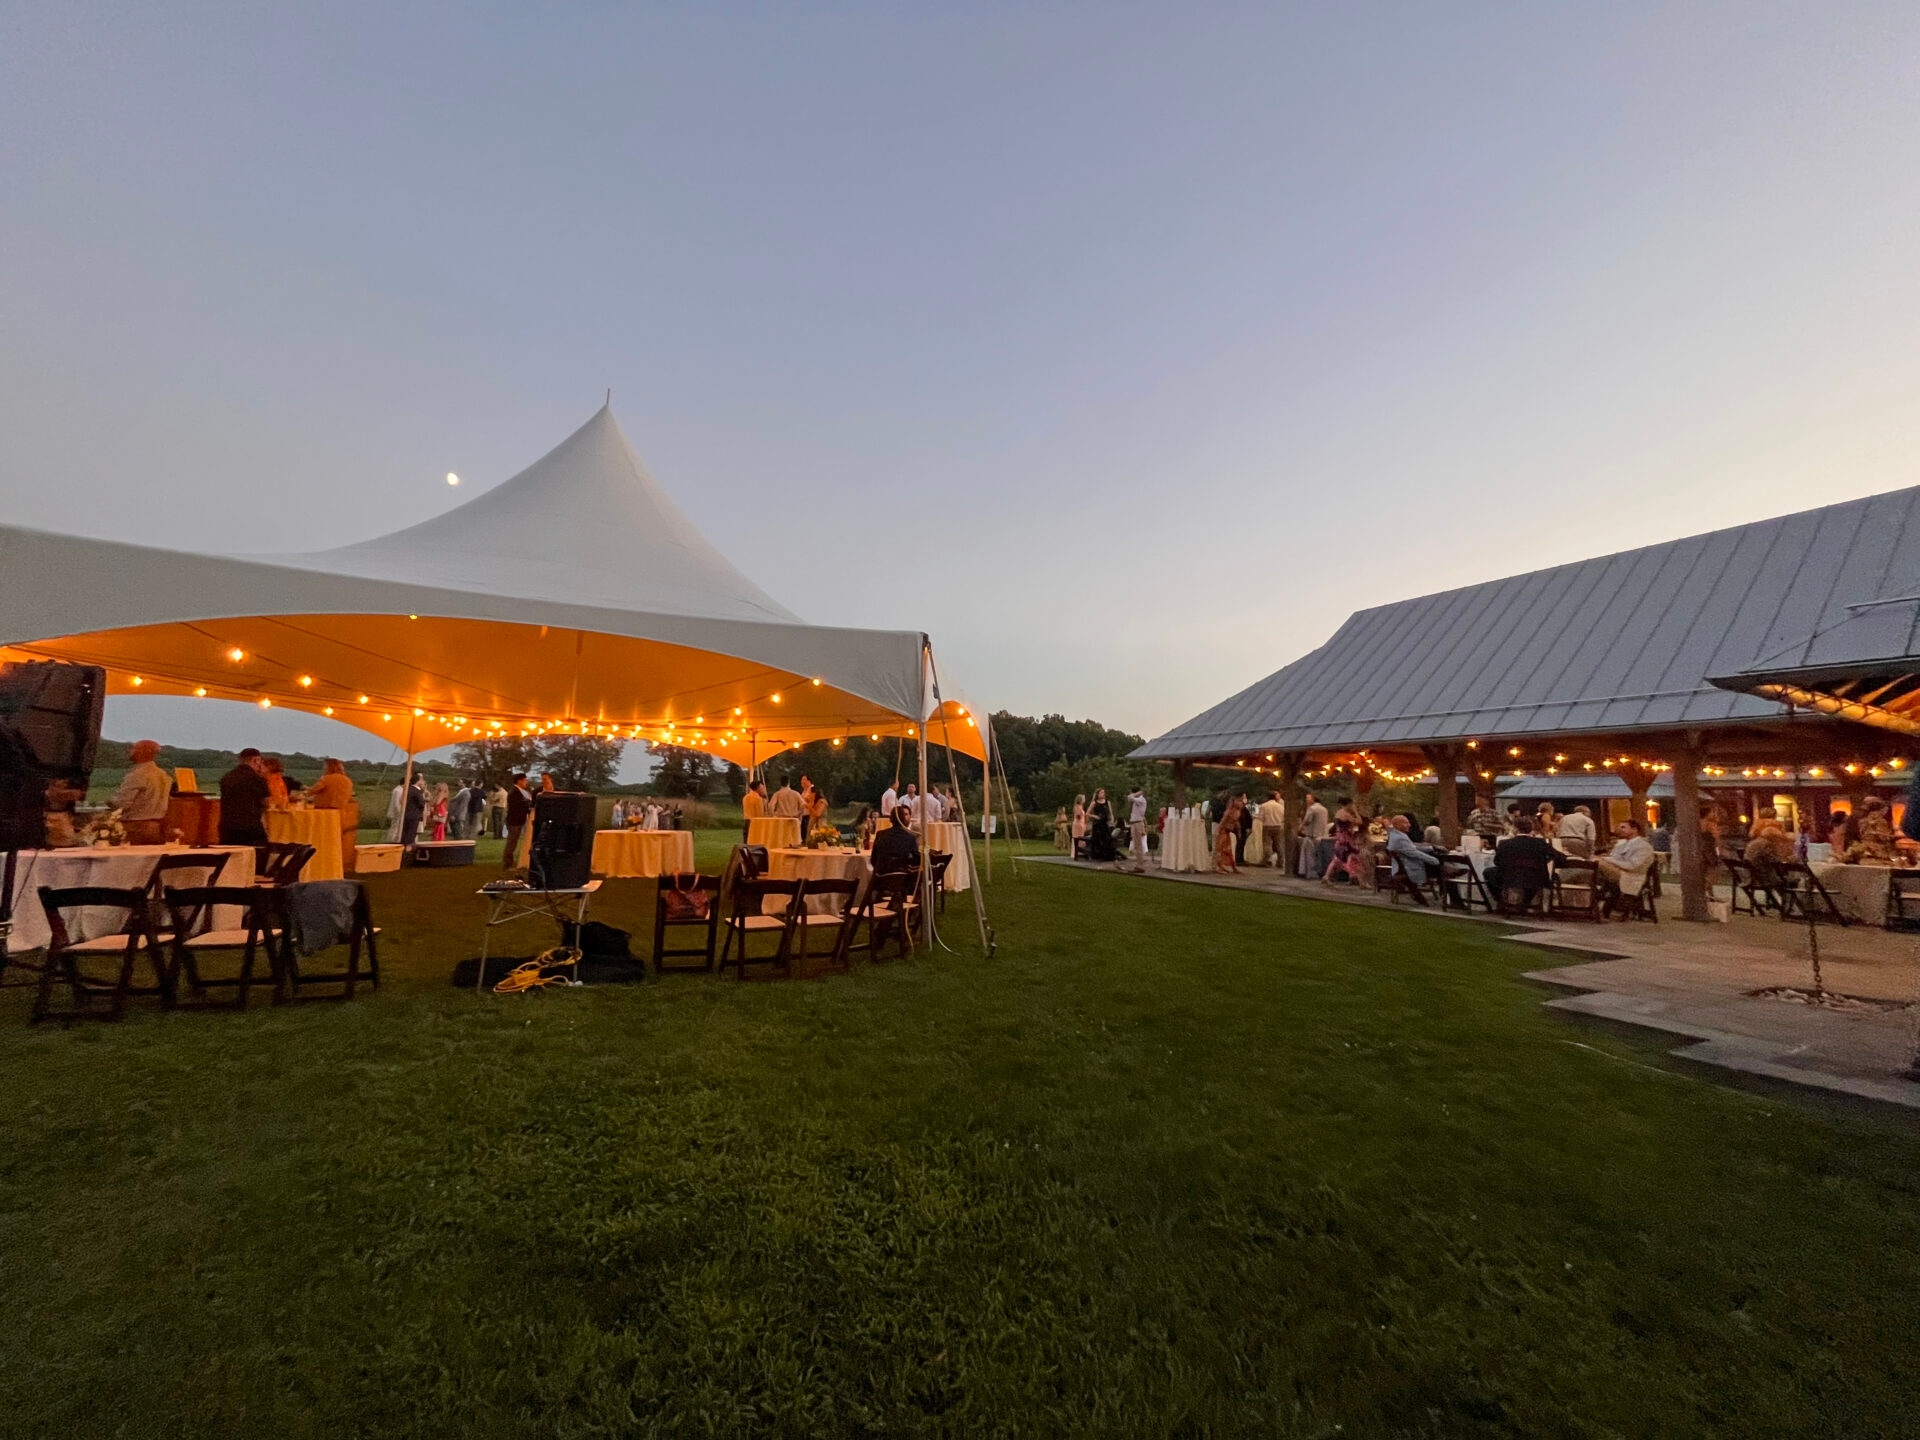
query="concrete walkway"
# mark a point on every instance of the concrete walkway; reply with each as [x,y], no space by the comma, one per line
[1699,982]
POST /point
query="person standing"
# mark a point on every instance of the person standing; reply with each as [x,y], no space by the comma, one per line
[476,808]
[1080,824]
[1272,819]
[890,798]
[497,812]
[753,805]
[1061,838]
[334,791]
[276,778]
[786,804]
[1226,836]
[1484,820]
[142,796]
[243,801]
[1578,834]
[1100,846]
[1137,826]
[415,811]
[441,809]
[519,808]
[1313,829]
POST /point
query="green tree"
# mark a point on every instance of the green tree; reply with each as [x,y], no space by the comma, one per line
[682,773]
[496,761]
[581,762]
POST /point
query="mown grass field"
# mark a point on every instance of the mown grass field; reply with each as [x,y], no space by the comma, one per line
[1175,1161]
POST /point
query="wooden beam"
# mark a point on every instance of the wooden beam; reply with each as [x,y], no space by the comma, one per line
[1688,760]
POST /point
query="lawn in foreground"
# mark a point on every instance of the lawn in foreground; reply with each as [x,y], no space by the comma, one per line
[1176,1160]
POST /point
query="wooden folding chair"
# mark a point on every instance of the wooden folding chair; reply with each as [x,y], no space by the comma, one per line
[193,939]
[1634,905]
[747,917]
[279,862]
[839,923]
[941,861]
[1400,883]
[1518,899]
[1903,900]
[1575,894]
[710,888]
[888,911]
[65,955]
[1802,894]
[362,937]
[1464,888]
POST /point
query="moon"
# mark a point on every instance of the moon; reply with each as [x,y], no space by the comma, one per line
[452,479]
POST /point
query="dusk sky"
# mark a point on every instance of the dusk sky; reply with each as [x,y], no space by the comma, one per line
[1125,350]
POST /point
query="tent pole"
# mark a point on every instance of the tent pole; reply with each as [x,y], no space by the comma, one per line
[960,804]
[926,863]
[986,793]
[406,783]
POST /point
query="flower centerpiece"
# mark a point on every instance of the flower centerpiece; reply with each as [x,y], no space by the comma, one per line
[106,828]
[824,837]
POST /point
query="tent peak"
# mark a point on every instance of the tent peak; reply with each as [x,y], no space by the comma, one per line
[586,523]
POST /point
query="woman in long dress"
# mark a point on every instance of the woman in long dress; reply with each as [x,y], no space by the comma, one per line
[1079,827]
[1100,842]
[439,811]
[1225,834]
[1061,841]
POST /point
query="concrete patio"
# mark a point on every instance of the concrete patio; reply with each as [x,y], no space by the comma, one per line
[1698,982]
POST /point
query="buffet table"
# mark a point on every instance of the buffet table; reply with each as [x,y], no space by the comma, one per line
[121,867]
[643,854]
[318,828]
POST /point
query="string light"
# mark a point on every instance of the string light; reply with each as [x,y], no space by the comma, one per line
[138,681]
[306,680]
[201,691]
[236,655]
[265,703]
[327,711]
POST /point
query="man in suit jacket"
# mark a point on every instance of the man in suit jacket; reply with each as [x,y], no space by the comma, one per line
[243,801]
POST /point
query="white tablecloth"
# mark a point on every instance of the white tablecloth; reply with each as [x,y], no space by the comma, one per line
[1184,844]
[644,853]
[318,828]
[776,832]
[124,867]
[1859,890]
[950,837]
[844,863]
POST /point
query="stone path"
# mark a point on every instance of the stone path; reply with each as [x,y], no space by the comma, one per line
[1698,982]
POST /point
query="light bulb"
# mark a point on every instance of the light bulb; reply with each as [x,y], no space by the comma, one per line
[452,479]
[236,655]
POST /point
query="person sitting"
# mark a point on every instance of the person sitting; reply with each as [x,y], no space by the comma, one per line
[896,847]
[243,801]
[1522,865]
[143,794]
[1483,820]
[1417,862]
[1873,837]
[865,827]
[1624,868]
[1768,843]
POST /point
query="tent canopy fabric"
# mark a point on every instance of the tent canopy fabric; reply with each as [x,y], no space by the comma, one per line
[574,598]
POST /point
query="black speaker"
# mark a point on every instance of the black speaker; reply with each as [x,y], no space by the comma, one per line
[562,853]
[49,730]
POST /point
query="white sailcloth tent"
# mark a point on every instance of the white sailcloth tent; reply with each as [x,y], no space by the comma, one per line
[574,598]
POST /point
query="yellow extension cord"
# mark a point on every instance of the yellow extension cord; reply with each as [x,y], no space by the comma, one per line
[528,976]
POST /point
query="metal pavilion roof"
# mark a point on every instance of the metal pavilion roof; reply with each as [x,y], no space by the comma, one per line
[1625,642]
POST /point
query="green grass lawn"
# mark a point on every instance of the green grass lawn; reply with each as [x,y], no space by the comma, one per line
[1176,1160]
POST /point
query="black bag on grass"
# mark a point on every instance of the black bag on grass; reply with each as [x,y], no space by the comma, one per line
[598,941]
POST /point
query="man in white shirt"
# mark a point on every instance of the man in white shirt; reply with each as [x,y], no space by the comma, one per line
[1313,829]
[1579,828]
[1137,826]
[142,796]
[1272,820]
[1625,866]
[932,810]
[888,799]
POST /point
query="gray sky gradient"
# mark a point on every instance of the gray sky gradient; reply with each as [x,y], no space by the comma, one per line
[1124,349]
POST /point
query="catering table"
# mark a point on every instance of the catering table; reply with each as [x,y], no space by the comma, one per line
[1859,890]
[950,838]
[773,831]
[832,863]
[1183,842]
[318,828]
[621,854]
[122,867]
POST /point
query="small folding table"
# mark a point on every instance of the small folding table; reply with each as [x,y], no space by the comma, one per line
[506,906]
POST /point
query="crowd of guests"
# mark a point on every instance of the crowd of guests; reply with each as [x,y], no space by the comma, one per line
[809,806]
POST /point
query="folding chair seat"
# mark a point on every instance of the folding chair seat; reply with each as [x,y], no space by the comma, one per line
[279,862]
[1637,904]
[1903,900]
[1400,883]
[747,917]
[1521,899]
[65,955]
[362,940]
[704,893]
[192,939]
[1575,892]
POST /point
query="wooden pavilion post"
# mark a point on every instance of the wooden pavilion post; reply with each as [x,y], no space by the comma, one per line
[1687,761]
[1445,760]
[1293,801]
[1181,770]
[1638,783]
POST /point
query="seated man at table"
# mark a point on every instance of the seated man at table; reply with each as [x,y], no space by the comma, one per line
[1522,863]
[243,801]
[142,796]
[896,847]
[1417,862]
[1625,866]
